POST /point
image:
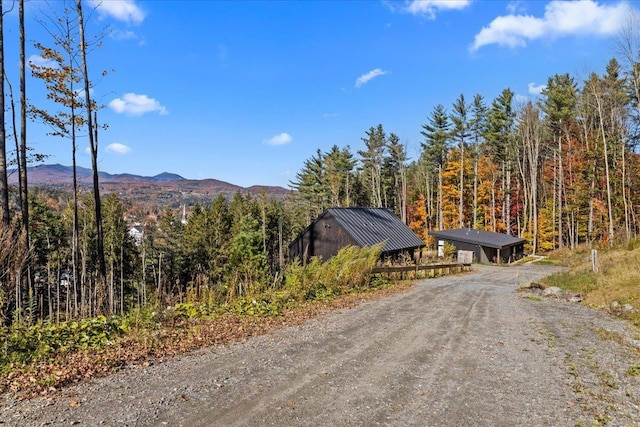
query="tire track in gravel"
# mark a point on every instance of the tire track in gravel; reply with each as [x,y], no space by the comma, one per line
[346,362]
[452,351]
[389,354]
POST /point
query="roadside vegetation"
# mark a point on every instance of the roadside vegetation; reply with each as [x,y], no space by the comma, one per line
[39,358]
[614,285]
[89,281]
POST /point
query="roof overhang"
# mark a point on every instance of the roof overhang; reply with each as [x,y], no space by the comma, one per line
[479,237]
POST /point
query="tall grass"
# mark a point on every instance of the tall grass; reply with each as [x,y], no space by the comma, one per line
[617,278]
[348,270]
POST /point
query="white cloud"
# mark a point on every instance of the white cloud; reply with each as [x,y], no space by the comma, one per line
[520,100]
[281,139]
[365,78]
[117,148]
[127,35]
[136,105]
[536,90]
[41,62]
[561,18]
[516,6]
[430,7]
[121,10]
[123,35]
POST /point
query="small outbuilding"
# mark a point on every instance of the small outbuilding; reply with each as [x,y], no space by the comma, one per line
[486,246]
[336,228]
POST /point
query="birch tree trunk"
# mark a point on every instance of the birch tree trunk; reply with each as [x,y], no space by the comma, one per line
[93,146]
[4,185]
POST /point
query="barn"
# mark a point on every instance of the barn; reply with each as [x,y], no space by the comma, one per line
[487,246]
[336,228]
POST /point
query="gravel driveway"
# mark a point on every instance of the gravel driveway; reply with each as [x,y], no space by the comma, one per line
[465,350]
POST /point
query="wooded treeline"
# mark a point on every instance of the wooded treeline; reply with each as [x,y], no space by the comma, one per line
[68,86]
[66,256]
[229,249]
[559,171]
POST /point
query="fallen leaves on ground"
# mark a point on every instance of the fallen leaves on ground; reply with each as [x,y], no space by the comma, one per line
[146,347]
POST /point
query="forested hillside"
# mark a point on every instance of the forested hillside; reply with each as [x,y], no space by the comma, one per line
[559,171]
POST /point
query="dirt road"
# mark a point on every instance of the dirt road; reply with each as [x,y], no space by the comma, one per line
[466,350]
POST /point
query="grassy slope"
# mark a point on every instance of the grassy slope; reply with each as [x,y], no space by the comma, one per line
[617,278]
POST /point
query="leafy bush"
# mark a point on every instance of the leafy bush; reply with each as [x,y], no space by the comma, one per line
[349,270]
[20,344]
[256,307]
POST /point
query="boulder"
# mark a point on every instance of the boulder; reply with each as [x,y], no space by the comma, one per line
[530,286]
[575,298]
[553,291]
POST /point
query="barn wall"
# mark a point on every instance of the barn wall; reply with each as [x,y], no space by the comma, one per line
[324,238]
[330,237]
[478,253]
[481,254]
[489,254]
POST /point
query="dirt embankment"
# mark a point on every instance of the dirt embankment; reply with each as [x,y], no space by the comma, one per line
[463,350]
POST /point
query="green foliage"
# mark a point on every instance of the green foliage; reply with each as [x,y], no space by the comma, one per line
[500,126]
[379,281]
[436,134]
[326,179]
[247,260]
[350,269]
[190,310]
[21,345]
[633,371]
[261,307]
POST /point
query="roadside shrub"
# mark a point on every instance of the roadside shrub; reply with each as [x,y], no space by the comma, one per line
[261,307]
[21,344]
[378,281]
[348,270]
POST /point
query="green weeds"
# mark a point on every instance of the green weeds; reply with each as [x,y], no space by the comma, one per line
[348,272]
[21,345]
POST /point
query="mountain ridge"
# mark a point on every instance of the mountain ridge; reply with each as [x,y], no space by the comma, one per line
[51,174]
[165,187]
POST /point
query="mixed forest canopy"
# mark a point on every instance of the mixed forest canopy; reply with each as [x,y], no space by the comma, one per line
[558,171]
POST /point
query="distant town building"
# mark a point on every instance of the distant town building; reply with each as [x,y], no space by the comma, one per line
[184,214]
[136,233]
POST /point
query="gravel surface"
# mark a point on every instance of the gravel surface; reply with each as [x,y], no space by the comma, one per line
[467,350]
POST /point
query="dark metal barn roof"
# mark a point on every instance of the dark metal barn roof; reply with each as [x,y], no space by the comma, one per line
[479,237]
[370,226]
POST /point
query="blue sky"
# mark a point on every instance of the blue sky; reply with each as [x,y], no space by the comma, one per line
[245,91]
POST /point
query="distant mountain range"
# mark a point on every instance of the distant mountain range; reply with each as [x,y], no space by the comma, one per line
[59,174]
[164,187]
